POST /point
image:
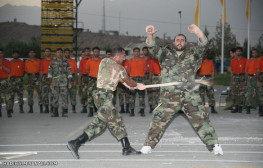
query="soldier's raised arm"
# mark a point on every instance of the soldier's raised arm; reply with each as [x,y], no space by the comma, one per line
[154,50]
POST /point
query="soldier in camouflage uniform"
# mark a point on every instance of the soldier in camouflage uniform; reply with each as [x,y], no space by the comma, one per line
[44,81]
[110,73]
[180,64]
[155,78]
[16,80]
[60,80]
[237,82]
[32,69]
[4,84]
[73,89]
[207,72]
[251,81]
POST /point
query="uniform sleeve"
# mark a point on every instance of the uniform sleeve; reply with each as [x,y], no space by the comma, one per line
[232,65]
[154,50]
[26,66]
[69,72]
[200,48]
[123,73]
[87,66]
[50,70]
[212,66]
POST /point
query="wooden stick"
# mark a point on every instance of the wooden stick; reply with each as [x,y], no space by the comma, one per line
[203,82]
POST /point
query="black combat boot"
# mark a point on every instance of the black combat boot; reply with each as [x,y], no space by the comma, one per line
[132,113]
[90,112]
[142,113]
[46,109]
[21,109]
[122,109]
[127,108]
[240,109]
[55,112]
[65,113]
[51,109]
[9,113]
[84,109]
[74,109]
[151,109]
[41,108]
[213,109]
[30,109]
[74,145]
[127,149]
[235,110]
[260,111]
[0,112]
[248,109]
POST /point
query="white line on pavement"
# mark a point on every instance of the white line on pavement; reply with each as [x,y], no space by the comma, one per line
[135,160]
[117,144]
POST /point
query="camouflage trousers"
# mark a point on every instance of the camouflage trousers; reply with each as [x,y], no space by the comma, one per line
[33,83]
[73,91]
[260,90]
[107,117]
[154,93]
[141,94]
[45,90]
[17,87]
[123,92]
[5,90]
[60,90]
[171,101]
[238,89]
[83,90]
[252,91]
[207,90]
[92,85]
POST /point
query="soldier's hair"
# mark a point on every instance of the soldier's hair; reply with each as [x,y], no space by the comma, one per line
[32,50]
[233,50]
[180,35]
[15,52]
[48,49]
[108,51]
[66,50]
[1,50]
[117,50]
[145,48]
[59,49]
[95,48]
[87,48]
[254,49]
[239,48]
[136,48]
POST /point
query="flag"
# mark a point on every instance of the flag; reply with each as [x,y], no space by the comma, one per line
[223,18]
[197,13]
[248,9]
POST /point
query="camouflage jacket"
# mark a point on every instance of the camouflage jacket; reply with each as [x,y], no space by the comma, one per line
[178,68]
[109,74]
[59,71]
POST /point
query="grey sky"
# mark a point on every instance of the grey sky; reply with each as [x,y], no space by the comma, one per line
[163,14]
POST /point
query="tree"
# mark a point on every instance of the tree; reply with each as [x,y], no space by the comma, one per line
[229,41]
[259,45]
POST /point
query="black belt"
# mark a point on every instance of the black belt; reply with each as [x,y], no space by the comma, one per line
[105,90]
[238,74]
[16,76]
[33,73]
[156,75]
[252,74]
[93,78]
[205,75]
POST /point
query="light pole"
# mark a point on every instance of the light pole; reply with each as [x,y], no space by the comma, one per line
[180,12]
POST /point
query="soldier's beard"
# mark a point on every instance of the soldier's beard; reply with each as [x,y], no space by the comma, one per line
[179,49]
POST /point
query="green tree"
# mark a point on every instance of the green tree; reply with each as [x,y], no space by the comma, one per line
[229,42]
[259,45]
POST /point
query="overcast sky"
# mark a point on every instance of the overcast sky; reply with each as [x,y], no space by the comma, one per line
[133,15]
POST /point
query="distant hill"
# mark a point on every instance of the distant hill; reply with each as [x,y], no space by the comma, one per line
[24,32]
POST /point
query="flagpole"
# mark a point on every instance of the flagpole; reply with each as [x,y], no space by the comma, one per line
[222,38]
[248,30]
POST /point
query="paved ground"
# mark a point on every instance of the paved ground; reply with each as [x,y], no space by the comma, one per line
[39,139]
